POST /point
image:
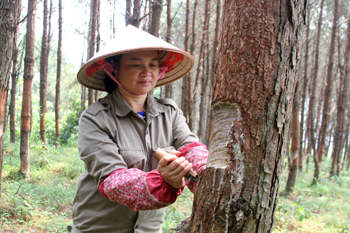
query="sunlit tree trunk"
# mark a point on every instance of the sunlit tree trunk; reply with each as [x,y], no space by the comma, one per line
[252,102]
[11,11]
[98,39]
[27,88]
[313,98]
[328,88]
[58,79]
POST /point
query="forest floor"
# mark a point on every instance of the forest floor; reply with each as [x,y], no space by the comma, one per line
[43,201]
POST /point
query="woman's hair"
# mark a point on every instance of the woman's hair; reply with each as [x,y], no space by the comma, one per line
[110,85]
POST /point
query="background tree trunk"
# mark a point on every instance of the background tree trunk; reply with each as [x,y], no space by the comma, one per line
[252,103]
[303,95]
[92,41]
[12,110]
[343,96]
[27,88]
[295,147]
[204,83]
[157,6]
[312,103]
[168,87]
[11,11]
[185,82]
[329,84]
[43,71]
[58,79]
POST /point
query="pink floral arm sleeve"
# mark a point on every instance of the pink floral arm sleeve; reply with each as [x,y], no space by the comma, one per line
[139,190]
[197,154]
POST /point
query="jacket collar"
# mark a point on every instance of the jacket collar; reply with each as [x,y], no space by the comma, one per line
[122,108]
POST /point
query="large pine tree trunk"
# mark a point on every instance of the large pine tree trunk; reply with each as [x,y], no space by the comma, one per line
[312,103]
[58,78]
[328,88]
[27,88]
[10,12]
[252,103]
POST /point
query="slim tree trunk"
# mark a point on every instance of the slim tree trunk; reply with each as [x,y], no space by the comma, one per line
[43,72]
[58,79]
[168,87]
[191,104]
[343,96]
[98,40]
[14,76]
[329,84]
[27,88]
[185,79]
[303,95]
[295,147]
[92,42]
[212,71]
[10,12]
[313,98]
[252,103]
[127,12]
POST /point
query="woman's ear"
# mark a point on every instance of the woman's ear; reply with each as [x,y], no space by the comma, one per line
[115,67]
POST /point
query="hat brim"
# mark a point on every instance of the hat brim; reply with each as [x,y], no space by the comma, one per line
[127,44]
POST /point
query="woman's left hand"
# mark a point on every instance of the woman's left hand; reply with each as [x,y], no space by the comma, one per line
[173,169]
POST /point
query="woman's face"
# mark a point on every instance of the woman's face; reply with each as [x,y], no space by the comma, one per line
[138,71]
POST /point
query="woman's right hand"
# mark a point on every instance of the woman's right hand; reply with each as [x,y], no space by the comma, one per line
[173,169]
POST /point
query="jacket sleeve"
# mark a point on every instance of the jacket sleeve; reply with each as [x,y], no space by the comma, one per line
[139,190]
[96,147]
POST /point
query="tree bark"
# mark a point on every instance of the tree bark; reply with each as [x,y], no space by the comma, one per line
[58,78]
[252,102]
[10,12]
[313,98]
[329,84]
[43,71]
[27,88]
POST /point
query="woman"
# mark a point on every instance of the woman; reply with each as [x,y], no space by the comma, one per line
[123,188]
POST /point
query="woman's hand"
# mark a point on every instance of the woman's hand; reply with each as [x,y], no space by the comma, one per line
[173,169]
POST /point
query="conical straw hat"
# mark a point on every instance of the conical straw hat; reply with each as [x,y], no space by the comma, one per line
[132,39]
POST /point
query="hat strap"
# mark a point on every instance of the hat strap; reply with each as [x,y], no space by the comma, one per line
[107,67]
